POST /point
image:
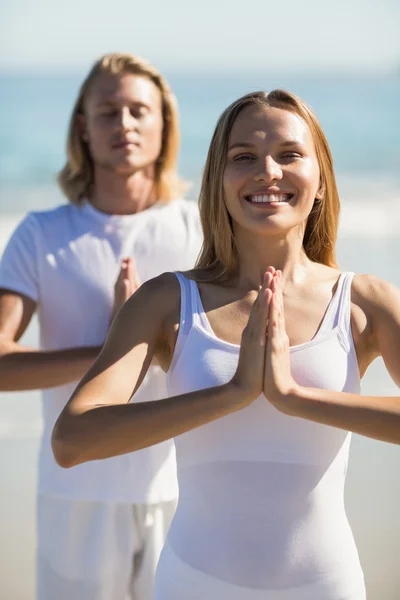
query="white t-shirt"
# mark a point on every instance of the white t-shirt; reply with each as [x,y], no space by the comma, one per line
[67,260]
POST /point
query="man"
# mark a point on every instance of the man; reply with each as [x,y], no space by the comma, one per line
[101,526]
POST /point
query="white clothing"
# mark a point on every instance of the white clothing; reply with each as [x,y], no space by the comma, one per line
[99,551]
[177,580]
[67,260]
[260,511]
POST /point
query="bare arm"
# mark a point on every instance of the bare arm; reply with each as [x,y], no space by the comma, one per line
[23,368]
[377,417]
[98,422]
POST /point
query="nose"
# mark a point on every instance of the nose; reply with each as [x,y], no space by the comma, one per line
[269,170]
[127,121]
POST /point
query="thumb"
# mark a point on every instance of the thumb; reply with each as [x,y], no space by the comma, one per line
[132,274]
[126,289]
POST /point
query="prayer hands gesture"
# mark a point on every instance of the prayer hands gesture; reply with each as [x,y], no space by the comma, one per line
[127,283]
[264,360]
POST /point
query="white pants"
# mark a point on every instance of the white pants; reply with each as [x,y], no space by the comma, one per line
[99,551]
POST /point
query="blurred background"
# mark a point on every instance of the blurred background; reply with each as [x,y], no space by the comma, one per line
[342,57]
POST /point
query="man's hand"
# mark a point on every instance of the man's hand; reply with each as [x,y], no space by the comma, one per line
[127,283]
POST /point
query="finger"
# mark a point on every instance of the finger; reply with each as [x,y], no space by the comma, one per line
[274,283]
[268,298]
[118,282]
[129,269]
[281,308]
[280,329]
[136,283]
[268,277]
[272,321]
[279,299]
[124,292]
[122,270]
[266,285]
[127,289]
[269,274]
[130,273]
[257,322]
[273,311]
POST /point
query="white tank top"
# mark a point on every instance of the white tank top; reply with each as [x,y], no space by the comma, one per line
[261,493]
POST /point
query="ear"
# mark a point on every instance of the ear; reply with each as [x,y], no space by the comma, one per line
[81,121]
[320,192]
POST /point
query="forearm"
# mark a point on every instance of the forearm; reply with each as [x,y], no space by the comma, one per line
[29,369]
[376,417]
[106,431]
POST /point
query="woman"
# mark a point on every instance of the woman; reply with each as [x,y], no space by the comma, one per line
[265,343]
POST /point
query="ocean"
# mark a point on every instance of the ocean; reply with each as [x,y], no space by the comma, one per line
[360,117]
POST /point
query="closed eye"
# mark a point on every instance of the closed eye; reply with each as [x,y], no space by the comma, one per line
[243,158]
[139,111]
[109,113]
[291,156]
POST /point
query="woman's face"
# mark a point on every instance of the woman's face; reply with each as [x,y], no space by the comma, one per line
[272,176]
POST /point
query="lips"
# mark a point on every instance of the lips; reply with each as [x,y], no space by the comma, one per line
[125,144]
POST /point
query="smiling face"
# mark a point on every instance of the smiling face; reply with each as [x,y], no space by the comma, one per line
[272,176]
[123,123]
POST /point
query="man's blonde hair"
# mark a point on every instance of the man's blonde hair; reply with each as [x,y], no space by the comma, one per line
[76,177]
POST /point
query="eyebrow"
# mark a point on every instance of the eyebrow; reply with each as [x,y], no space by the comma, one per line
[241,145]
[116,102]
[286,144]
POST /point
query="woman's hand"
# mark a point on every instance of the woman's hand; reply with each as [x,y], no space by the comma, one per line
[278,380]
[250,369]
[127,283]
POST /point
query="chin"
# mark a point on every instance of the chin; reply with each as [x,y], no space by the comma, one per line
[288,218]
[269,226]
[127,168]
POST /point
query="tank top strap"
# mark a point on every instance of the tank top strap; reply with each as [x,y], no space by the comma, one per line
[338,312]
[344,308]
[192,312]
[189,309]
[186,317]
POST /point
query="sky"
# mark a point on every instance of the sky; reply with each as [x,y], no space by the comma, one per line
[206,35]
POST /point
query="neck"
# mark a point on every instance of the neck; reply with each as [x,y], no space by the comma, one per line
[257,253]
[117,194]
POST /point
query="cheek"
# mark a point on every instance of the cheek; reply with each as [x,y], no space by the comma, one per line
[228,189]
[98,131]
[231,191]
[151,129]
[309,176]
[232,182]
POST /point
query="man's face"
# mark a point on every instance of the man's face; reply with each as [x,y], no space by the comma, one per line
[123,123]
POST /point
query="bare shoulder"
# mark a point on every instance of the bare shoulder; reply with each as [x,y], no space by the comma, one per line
[375,309]
[158,296]
[375,294]
[380,302]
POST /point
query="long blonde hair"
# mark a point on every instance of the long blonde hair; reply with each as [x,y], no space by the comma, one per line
[76,177]
[218,259]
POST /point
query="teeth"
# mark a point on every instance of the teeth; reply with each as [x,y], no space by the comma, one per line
[269,198]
